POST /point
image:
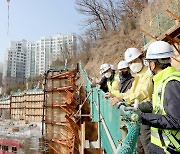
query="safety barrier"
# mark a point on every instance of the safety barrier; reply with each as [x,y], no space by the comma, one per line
[163,21]
[108,116]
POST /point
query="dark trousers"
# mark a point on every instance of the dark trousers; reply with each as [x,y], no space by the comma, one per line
[144,140]
[154,149]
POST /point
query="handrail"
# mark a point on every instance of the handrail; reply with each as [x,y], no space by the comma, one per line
[108,117]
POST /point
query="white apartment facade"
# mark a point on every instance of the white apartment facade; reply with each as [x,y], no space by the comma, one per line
[28,59]
[14,63]
[49,49]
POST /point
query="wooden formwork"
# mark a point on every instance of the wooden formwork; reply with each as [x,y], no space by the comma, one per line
[18,107]
[24,106]
[5,108]
[61,129]
[34,106]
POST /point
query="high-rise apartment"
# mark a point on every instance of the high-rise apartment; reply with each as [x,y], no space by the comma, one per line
[14,63]
[28,59]
[49,49]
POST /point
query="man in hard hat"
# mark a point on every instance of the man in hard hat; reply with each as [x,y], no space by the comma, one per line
[141,89]
[125,83]
[102,84]
[113,68]
[112,80]
[165,119]
[142,86]
[125,77]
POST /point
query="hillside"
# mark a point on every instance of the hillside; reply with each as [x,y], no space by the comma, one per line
[111,47]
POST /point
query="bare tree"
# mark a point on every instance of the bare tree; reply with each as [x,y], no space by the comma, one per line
[105,15]
[92,8]
[132,8]
[108,14]
[65,53]
[111,12]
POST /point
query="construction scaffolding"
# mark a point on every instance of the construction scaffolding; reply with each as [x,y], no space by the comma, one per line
[61,102]
[5,108]
[27,105]
[164,26]
[165,22]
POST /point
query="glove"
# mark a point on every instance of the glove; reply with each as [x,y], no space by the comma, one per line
[120,103]
[138,113]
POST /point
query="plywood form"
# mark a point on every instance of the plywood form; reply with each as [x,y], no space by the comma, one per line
[59,132]
[25,106]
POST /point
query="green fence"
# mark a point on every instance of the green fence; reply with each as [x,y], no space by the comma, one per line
[108,117]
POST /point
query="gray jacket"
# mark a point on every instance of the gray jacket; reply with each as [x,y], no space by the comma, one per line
[171,106]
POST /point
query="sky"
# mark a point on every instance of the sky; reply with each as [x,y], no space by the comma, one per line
[32,19]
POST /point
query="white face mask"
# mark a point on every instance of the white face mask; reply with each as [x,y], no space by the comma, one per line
[107,75]
[145,62]
[136,67]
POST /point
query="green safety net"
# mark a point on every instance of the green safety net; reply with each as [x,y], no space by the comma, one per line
[163,21]
[110,132]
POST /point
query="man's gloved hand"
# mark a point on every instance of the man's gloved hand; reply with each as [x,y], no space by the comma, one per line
[138,112]
[121,103]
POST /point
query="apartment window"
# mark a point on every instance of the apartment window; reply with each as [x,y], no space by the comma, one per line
[14,149]
[5,148]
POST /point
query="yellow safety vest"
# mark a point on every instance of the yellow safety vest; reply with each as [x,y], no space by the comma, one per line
[113,85]
[167,137]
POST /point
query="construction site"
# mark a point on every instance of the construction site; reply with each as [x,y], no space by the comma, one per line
[69,116]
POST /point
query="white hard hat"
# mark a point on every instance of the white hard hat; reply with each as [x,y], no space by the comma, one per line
[158,50]
[122,64]
[131,54]
[112,67]
[101,67]
[104,68]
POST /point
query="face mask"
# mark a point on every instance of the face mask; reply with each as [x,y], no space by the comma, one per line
[136,67]
[107,75]
[145,62]
[124,74]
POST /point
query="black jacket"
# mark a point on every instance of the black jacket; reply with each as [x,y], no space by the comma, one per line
[125,83]
[103,84]
[171,106]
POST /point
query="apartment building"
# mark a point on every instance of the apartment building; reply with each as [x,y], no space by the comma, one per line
[49,49]
[30,59]
[14,63]
[25,59]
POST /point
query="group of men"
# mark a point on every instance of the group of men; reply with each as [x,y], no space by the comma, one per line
[156,85]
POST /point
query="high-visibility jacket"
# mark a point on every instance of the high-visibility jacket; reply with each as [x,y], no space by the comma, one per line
[142,88]
[164,137]
[113,85]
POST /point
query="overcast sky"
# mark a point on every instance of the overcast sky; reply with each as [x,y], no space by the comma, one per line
[31,19]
